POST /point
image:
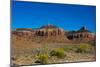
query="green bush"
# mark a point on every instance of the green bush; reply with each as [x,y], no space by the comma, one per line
[83,48]
[58,52]
[42,58]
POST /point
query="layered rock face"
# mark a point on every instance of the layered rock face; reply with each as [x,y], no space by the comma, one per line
[49,30]
[82,35]
[51,33]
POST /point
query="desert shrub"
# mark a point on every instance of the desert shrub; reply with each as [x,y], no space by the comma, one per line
[58,52]
[42,58]
[83,48]
[42,55]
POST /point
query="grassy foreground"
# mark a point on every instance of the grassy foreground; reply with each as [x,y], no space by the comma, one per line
[52,53]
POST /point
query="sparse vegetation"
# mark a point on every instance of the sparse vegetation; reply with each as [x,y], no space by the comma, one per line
[54,53]
[42,58]
[83,48]
[70,48]
[59,52]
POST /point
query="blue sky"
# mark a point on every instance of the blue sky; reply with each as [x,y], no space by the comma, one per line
[66,16]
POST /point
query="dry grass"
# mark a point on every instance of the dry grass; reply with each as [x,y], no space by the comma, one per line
[24,52]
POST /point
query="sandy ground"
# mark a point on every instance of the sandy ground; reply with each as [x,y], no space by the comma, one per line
[24,54]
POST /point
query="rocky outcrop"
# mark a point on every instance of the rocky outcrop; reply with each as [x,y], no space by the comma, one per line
[51,33]
[82,35]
